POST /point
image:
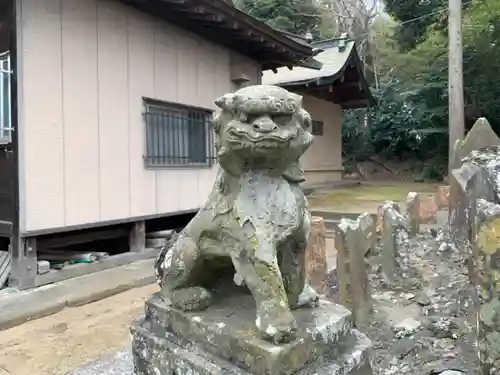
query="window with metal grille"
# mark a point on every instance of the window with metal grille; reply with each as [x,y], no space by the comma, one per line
[5,116]
[317,127]
[178,135]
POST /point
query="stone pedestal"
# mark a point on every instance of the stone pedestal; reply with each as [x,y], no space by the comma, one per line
[223,340]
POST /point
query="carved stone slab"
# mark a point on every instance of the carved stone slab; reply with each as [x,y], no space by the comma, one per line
[167,355]
[226,329]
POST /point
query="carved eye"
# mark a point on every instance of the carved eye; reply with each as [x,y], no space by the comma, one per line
[281,119]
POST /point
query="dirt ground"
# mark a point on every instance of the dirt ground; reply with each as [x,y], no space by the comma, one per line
[75,336]
[367,197]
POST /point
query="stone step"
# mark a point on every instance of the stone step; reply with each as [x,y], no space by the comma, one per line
[167,354]
[227,330]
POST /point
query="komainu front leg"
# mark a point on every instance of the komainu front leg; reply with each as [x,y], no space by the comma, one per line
[274,319]
[293,268]
[178,277]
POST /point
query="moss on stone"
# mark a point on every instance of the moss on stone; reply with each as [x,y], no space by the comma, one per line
[488,237]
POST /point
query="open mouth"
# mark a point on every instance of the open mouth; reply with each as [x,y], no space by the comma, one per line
[259,139]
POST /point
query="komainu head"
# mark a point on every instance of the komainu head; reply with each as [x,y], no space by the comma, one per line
[261,127]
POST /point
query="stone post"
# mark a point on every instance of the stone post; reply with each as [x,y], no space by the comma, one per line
[480,136]
[393,222]
[443,197]
[413,212]
[352,241]
[316,260]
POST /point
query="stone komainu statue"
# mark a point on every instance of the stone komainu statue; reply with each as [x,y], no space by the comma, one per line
[256,217]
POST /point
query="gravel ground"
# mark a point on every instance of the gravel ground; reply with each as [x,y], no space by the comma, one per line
[423,325]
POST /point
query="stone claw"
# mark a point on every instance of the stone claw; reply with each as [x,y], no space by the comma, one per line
[276,322]
[191,299]
[307,298]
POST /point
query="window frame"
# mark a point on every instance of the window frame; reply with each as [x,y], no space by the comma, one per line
[170,108]
[5,98]
[314,129]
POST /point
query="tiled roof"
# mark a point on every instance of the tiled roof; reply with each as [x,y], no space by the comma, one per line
[334,59]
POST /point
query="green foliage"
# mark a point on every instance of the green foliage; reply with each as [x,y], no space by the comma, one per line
[410,64]
[294,16]
[417,80]
[416,16]
[393,129]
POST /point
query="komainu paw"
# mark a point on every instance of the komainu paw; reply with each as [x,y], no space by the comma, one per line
[276,322]
[307,298]
[191,299]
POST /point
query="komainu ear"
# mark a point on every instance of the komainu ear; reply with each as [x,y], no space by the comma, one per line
[225,102]
[306,120]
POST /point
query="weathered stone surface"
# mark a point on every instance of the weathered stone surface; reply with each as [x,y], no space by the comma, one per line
[166,355]
[477,179]
[171,339]
[413,212]
[354,361]
[488,276]
[394,229]
[353,240]
[480,136]
[316,259]
[256,218]
[427,208]
[380,214]
[443,197]
[478,210]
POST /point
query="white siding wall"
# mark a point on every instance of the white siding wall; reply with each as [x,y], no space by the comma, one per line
[85,67]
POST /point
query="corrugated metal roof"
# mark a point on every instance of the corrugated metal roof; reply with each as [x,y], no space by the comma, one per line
[333,61]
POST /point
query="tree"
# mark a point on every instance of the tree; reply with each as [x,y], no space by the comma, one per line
[354,17]
[418,80]
[415,17]
[294,16]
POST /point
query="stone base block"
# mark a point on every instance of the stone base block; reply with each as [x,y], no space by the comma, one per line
[223,340]
[168,355]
